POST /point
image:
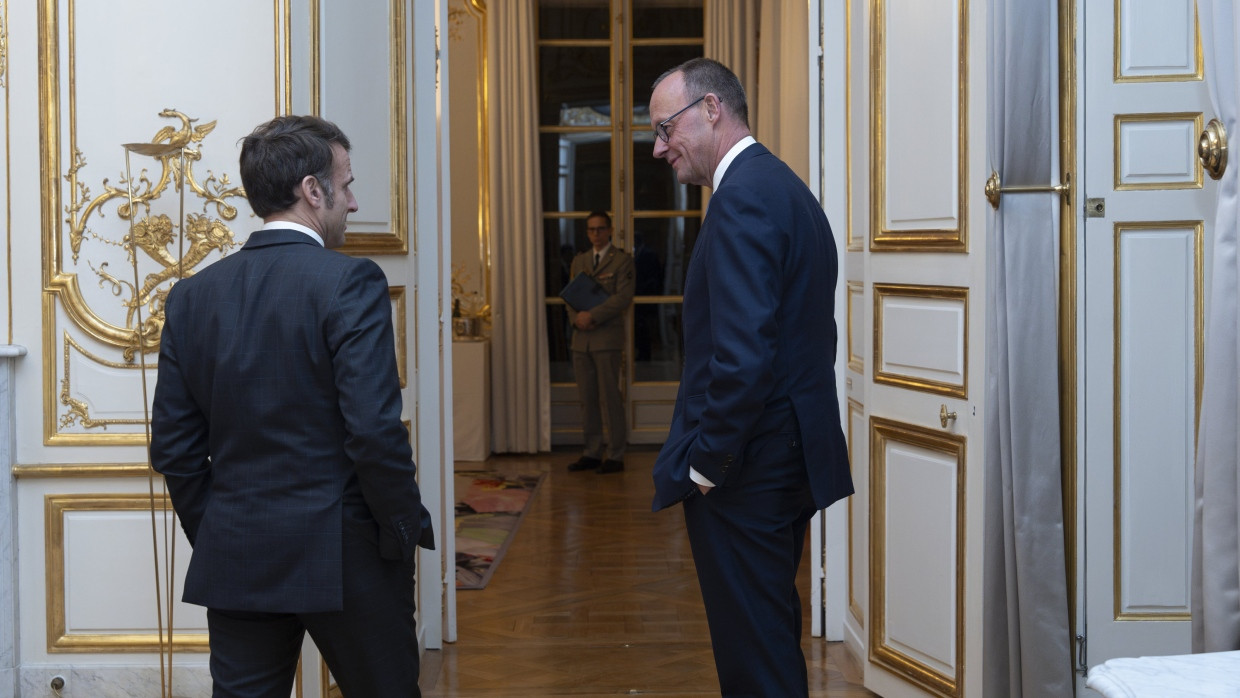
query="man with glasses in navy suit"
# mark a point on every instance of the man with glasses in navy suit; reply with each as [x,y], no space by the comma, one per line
[755,445]
[277,427]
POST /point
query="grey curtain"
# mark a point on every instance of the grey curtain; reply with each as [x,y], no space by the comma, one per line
[520,376]
[1026,642]
[1216,543]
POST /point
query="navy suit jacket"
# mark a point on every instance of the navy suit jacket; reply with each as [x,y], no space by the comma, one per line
[277,425]
[759,333]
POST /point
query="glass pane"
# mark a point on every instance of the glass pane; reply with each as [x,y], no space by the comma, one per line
[657,346]
[649,62]
[667,18]
[574,19]
[654,181]
[664,246]
[557,344]
[576,171]
[572,77]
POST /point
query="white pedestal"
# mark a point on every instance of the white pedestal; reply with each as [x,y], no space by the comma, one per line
[471,399]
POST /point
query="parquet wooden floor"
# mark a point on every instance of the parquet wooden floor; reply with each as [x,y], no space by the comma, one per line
[598,596]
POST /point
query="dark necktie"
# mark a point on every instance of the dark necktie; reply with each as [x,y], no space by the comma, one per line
[596,260]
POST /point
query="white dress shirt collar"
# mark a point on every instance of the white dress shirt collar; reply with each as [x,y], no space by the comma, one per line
[727,159]
[289,225]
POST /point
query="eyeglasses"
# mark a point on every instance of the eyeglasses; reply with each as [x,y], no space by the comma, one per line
[661,129]
[598,229]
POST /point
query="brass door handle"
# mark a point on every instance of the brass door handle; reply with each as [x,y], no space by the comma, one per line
[1212,148]
[994,189]
[944,415]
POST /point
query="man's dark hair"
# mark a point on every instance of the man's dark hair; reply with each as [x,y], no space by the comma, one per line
[703,75]
[599,214]
[279,154]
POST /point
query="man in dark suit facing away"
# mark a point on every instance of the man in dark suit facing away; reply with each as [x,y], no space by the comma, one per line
[277,427]
[755,445]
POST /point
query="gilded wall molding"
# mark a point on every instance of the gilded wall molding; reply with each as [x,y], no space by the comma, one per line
[1197,72]
[59,640]
[78,411]
[1197,279]
[856,360]
[73,471]
[1122,120]
[958,295]
[929,239]
[4,44]
[397,295]
[395,241]
[152,234]
[855,409]
[952,446]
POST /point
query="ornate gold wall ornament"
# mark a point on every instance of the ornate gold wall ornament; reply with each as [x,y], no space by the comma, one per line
[4,44]
[153,234]
[78,411]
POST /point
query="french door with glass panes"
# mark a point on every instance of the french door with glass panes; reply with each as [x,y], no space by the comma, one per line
[596,62]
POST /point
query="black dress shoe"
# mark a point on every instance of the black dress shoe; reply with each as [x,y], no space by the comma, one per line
[611,466]
[585,463]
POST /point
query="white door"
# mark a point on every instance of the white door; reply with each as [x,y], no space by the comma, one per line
[913,281]
[1144,262]
[84,541]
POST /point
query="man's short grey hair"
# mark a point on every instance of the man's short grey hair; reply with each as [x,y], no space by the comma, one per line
[703,75]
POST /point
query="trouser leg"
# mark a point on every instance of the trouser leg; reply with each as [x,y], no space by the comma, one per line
[591,414]
[747,540]
[253,655]
[607,367]
[371,646]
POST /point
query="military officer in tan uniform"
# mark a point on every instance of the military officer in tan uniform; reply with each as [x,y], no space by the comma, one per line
[598,338]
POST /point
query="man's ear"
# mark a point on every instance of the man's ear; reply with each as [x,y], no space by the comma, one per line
[713,106]
[311,191]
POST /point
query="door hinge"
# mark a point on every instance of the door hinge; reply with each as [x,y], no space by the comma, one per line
[1080,656]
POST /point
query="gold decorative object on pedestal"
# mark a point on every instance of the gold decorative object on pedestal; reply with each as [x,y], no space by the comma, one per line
[471,315]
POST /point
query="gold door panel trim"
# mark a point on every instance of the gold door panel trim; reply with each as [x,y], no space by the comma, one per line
[397,296]
[1197,229]
[882,432]
[395,241]
[853,241]
[81,470]
[930,239]
[856,359]
[952,294]
[1195,73]
[1194,123]
[855,410]
[58,639]
[77,412]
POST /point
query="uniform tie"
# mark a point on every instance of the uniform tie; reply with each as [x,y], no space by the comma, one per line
[596,260]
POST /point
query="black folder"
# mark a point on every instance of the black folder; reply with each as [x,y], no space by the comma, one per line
[583,292]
